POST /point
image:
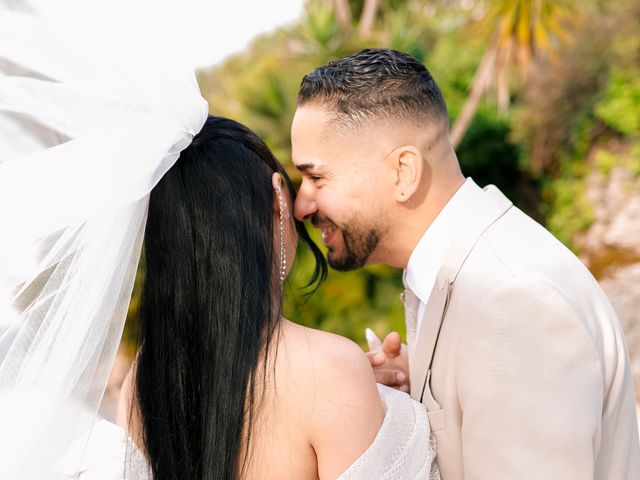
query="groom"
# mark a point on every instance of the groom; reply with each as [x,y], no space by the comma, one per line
[513,348]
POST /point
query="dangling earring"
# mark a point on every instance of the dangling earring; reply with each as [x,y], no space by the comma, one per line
[283,253]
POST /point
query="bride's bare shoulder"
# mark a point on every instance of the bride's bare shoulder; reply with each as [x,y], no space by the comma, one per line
[328,380]
[316,353]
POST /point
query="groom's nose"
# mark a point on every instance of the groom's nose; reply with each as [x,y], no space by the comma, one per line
[305,205]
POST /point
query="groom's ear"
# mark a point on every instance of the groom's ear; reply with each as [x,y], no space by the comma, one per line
[409,165]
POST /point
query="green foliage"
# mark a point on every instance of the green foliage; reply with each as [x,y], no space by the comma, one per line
[452,62]
[579,114]
[620,105]
[567,208]
[266,95]
[404,35]
[571,213]
[627,159]
[606,161]
[320,30]
[487,155]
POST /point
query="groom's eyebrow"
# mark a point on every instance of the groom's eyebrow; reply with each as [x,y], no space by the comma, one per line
[305,167]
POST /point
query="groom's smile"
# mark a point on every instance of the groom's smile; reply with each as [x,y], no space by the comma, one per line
[328,229]
[348,247]
[330,235]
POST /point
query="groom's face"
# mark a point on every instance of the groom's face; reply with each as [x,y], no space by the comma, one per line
[342,190]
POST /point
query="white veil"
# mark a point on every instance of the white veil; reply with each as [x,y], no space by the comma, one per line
[95,106]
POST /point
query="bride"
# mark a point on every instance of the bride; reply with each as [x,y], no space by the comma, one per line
[104,142]
[223,386]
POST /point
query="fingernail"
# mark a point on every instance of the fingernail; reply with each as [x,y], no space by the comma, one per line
[401,377]
[370,336]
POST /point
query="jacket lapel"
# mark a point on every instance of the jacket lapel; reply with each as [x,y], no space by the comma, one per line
[425,343]
[480,218]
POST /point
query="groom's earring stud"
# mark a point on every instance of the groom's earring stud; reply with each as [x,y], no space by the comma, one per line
[283,253]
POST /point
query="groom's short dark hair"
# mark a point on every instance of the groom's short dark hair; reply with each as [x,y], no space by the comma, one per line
[376,83]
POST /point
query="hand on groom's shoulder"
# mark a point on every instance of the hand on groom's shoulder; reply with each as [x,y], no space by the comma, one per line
[389,360]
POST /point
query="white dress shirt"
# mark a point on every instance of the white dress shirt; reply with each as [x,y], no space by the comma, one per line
[426,259]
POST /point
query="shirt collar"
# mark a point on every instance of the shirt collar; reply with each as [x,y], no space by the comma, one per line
[427,257]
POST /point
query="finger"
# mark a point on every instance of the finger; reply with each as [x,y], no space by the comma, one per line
[391,378]
[376,359]
[386,377]
[392,344]
[404,388]
[373,340]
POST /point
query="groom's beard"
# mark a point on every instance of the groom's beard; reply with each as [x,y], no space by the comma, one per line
[358,243]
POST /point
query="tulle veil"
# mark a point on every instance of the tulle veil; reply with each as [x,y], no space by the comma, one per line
[95,106]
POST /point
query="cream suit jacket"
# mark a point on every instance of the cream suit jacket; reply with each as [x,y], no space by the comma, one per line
[520,359]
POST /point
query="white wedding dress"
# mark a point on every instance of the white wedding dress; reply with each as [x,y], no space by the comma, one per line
[402,449]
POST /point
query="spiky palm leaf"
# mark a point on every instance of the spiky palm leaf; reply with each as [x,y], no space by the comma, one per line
[519,32]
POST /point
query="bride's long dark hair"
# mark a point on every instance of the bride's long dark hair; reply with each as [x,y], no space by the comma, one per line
[210,304]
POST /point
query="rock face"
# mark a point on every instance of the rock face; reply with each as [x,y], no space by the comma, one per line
[611,248]
[616,201]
